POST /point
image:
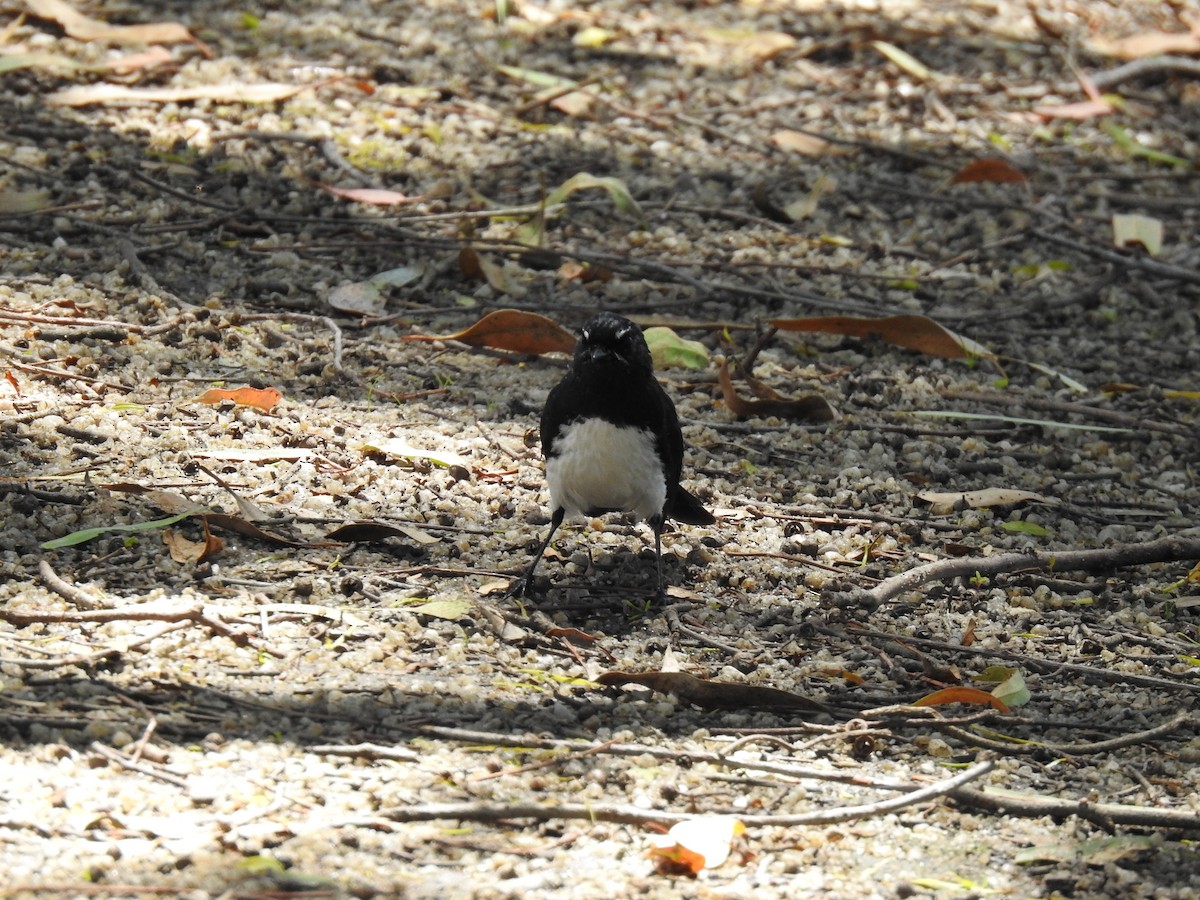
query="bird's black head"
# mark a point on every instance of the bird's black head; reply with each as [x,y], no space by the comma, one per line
[609,341]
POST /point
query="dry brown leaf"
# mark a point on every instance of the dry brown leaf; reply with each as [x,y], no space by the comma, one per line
[371,196]
[1153,43]
[1136,230]
[754,45]
[372,532]
[809,408]
[188,552]
[806,144]
[146,59]
[994,170]
[944,503]
[168,501]
[910,331]
[259,398]
[511,330]
[1084,109]
[85,28]
[268,92]
[714,694]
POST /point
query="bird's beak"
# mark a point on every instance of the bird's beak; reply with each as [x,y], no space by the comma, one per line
[596,354]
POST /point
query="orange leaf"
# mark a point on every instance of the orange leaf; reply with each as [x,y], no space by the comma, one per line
[511,330]
[12,380]
[695,844]
[996,170]
[962,695]
[913,332]
[260,398]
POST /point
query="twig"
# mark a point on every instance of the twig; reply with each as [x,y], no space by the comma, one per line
[934,718]
[1151,65]
[717,759]
[1039,665]
[545,763]
[1127,420]
[134,766]
[70,592]
[1153,266]
[88,660]
[1163,550]
[1106,815]
[632,815]
[677,626]
[93,890]
[148,612]
[367,751]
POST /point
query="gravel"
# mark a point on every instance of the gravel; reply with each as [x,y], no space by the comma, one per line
[289,713]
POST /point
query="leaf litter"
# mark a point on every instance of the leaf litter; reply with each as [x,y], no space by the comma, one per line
[801,498]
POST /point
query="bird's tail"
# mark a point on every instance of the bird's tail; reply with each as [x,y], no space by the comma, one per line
[686,508]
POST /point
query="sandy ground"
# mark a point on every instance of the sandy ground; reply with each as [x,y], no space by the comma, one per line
[286,711]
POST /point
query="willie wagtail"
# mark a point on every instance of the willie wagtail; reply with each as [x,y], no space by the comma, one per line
[611,438]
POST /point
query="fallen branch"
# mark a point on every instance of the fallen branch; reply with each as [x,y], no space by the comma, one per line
[72,593]
[915,715]
[632,815]
[1056,667]
[1164,550]
[148,612]
[1105,815]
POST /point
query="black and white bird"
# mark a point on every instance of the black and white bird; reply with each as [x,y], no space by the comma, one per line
[611,438]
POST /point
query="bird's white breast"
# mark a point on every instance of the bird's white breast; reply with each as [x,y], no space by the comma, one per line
[598,465]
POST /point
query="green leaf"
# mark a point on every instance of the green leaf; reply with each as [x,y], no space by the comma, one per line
[1012,691]
[1020,526]
[592,36]
[621,198]
[87,534]
[260,865]
[669,350]
[995,674]
[534,77]
[1129,144]
[398,447]
[904,60]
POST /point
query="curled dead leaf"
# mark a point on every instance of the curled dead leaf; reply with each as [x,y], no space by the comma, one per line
[809,408]
[85,28]
[714,694]
[993,170]
[944,503]
[511,330]
[910,331]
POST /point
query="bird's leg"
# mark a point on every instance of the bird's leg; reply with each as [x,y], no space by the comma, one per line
[519,586]
[657,522]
